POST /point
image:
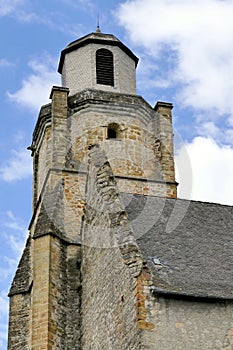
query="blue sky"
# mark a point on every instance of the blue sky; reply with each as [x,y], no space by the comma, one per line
[186,57]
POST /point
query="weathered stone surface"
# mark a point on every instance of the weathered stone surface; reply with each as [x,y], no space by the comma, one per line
[20,303]
[19,322]
[23,277]
[113,261]
[110,264]
[188,324]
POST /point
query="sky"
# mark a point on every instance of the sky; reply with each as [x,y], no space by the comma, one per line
[186,57]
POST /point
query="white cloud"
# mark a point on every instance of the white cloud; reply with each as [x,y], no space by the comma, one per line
[21,10]
[204,170]
[31,17]
[9,6]
[8,269]
[17,239]
[200,35]
[18,167]
[36,87]
[220,133]
[5,63]
[13,234]
[86,4]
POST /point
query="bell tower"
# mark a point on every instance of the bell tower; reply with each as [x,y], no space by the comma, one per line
[98,61]
[97,104]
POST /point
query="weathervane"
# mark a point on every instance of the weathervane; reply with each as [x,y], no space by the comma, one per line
[98,25]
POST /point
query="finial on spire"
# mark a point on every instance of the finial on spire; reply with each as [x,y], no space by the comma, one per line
[98,25]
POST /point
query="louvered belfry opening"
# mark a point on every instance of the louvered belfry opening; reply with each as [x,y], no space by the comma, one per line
[104,67]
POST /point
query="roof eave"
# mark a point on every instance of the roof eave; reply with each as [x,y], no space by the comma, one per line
[90,40]
[186,295]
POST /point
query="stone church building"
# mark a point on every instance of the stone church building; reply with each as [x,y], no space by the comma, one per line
[114,261]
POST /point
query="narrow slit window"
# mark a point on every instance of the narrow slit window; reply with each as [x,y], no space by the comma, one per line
[112,134]
[113,131]
[104,67]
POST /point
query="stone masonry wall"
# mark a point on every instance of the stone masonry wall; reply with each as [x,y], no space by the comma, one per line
[73,297]
[164,147]
[41,318]
[20,302]
[55,295]
[108,309]
[142,150]
[110,265]
[43,161]
[41,150]
[56,266]
[138,152]
[79,70]
[19,322]
[188,324]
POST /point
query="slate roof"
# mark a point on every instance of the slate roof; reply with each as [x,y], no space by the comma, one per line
[95,38]
[187,244]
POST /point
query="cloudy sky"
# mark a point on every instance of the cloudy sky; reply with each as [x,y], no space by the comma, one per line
[186,57]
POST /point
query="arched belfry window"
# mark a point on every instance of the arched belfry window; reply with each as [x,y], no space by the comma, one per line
[104,67]
[113,131]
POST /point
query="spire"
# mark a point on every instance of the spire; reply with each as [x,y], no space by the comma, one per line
[98,25]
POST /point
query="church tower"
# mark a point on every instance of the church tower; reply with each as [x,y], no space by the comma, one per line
[96,132]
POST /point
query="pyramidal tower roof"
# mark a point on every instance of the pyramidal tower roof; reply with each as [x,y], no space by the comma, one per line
[95,38]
